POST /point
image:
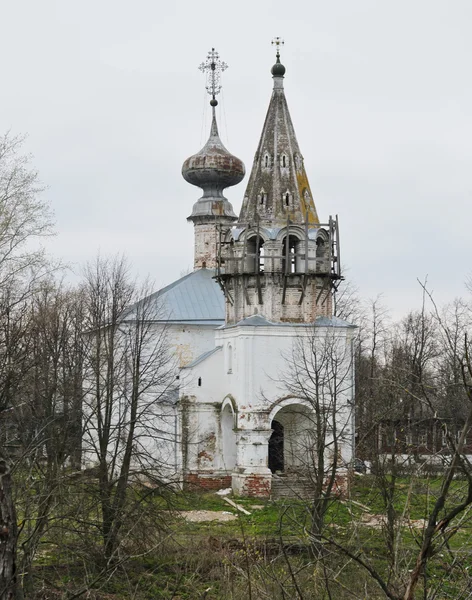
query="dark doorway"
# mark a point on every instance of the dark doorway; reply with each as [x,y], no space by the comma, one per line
[276,447]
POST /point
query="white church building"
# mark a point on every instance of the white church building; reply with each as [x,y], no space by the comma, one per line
[265,368]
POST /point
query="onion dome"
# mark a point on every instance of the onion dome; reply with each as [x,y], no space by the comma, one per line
[278,70]
[213,169]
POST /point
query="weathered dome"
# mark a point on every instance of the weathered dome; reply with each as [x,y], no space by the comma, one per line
[213,169]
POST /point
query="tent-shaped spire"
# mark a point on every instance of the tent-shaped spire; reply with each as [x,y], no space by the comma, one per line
[278,186]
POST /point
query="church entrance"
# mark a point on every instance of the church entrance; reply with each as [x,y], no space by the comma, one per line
[292,443]
[276,447]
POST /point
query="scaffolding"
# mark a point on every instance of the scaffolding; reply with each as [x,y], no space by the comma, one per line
[296,257]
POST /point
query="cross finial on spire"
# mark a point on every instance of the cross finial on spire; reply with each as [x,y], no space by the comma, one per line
[277,42]
[213,67]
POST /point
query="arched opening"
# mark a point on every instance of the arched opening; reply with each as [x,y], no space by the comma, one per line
[266,161]
[228,438]
[292,443]
[289,267]
[284,160]
[322,265]
[255,255]
[262,197]
[287,199]
[276,447]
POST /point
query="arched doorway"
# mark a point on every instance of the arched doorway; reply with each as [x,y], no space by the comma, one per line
[276,447]
[291,445]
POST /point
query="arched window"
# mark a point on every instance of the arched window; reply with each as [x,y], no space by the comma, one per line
[255,255]
[266,160]
[292,245]
[230,358]
[262,197]
[320,248]
[321,252]
[284,160]
[287,199]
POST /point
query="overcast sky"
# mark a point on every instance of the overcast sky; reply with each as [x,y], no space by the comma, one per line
[380,94]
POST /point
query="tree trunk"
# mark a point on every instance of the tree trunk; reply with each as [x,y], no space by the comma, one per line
[8,536]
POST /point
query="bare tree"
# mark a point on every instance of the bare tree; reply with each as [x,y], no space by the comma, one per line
[46,416]
[320,376]
[422,366]
[24,217]
[129,378]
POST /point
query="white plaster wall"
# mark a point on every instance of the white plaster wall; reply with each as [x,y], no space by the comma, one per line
[190,341]
[259,370]
[158,436]
[202,405]
[251,368]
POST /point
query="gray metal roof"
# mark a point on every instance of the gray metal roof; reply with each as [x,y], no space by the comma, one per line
[260,321]
[202,357]
[333,322]
[195,298]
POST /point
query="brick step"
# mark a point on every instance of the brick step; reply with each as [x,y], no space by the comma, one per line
[290,487]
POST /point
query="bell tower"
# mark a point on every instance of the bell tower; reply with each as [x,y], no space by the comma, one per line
[212,169]
[278,260]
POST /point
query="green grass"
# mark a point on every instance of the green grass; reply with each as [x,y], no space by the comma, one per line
[176,559]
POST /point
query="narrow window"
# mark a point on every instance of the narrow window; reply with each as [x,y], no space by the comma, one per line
[283,161]
[287,199]
[289,267]
[262,198]
[199,382]
[266,161]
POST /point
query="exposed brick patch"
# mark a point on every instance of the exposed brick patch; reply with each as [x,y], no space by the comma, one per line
[257,487]
[199,481]
[342,483]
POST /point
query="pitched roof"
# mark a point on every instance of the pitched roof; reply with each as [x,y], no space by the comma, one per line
[195,299]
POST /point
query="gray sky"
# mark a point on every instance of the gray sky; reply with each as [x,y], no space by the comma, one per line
[380,94]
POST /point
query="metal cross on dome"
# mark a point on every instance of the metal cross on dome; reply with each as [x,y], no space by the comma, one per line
[213,67]
[277,42]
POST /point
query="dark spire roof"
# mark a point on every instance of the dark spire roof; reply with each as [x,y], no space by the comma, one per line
[278,185]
